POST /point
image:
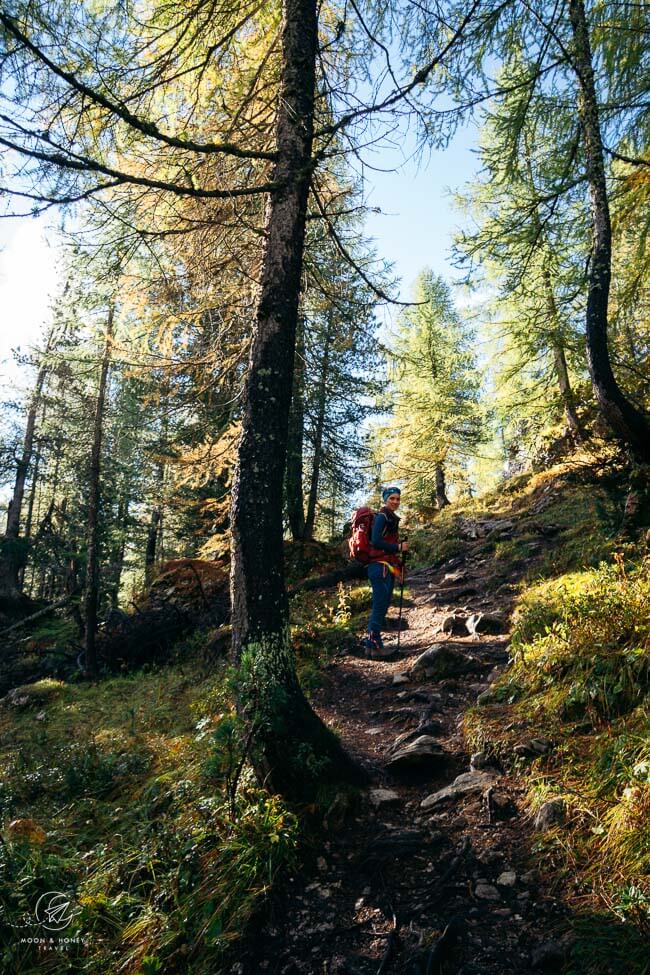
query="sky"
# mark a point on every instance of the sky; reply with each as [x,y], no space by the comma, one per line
[419,217]
[28,279]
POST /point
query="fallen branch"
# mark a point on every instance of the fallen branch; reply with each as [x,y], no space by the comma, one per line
[354,571]
[446,941]
[389,949]
[37,616]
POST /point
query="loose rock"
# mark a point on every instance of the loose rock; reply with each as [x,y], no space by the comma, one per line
[455,624]
[507,879]
[486,891]
[441,661]
[383,797]
[552,813]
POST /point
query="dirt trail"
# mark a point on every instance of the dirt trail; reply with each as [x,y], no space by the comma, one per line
[398,888]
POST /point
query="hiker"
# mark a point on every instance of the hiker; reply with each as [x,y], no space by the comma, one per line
[384,566]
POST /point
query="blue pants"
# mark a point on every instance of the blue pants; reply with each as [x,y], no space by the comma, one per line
[382,581]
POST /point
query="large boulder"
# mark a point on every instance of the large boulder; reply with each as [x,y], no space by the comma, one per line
[490,623]
[422,752]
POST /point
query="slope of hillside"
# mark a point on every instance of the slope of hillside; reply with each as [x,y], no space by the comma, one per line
[506,825]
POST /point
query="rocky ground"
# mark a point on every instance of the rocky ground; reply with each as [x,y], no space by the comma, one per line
[436,871]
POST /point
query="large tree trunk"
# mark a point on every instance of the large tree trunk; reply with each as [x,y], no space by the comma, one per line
[13,551]
[441,488]
[92,569]
[321,409]
[293,479]
[292,750]
[628,423]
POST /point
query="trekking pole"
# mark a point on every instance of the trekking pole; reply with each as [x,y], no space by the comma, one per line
[401,601]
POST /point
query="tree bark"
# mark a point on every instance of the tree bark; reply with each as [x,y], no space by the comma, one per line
[321,408]
[441,488]
[92,569]
[293,479]
[13,554]
[292,750]
[627,422]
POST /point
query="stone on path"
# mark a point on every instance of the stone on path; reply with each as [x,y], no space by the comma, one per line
[490,623]
[463,785]
[455,624]
[428,729]
[400,679]
[486,891]
[507,879]
[422,752]
[383,797]
[441,661]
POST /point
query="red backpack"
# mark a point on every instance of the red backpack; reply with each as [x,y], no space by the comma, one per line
[359,542]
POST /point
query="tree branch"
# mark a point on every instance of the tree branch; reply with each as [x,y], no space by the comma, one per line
[147,128]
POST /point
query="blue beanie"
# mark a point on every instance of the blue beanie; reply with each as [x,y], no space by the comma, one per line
[386,493]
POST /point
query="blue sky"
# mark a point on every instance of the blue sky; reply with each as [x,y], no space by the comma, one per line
[419,218]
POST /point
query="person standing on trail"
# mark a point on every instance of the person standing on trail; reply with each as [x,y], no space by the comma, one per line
[384,566]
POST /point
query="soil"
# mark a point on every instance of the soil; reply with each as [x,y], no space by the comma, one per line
[396,888]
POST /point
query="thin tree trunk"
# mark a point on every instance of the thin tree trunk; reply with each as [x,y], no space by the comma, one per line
[292,750]
[30,513]
[627,423]
[293,479]
[566,392]
[560,363]
[441,487]
[321,408]
[92,570]
[13,551]
[557,347]
[152,539]
[117,554]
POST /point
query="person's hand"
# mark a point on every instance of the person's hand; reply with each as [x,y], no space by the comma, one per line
[403,546]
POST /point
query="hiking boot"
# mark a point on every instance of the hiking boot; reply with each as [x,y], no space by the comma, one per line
[374,647]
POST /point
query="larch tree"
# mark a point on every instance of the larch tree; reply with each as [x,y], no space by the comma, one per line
[85,129]
[436,421]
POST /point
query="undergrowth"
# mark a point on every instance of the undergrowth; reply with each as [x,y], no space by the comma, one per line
[133,798]
[579,675]
[120,795]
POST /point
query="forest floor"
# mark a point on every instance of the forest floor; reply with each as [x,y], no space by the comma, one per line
[398,887]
